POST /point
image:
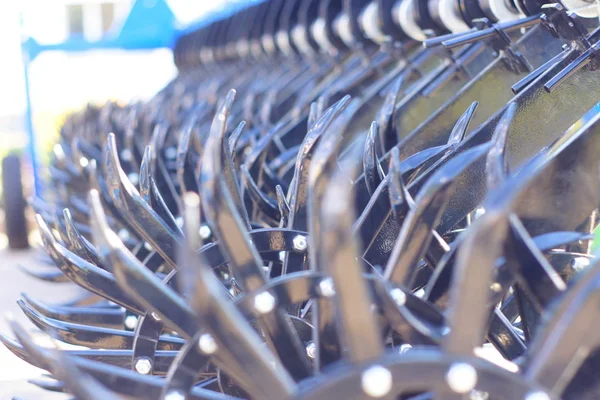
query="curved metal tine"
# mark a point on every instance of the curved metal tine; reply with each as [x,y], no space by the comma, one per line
[496,166]
[136,280]
[552,240]
[358,327]
[237,341]
[50,385]
[400,199]
[221,213]
[416,232]
[98,183]
[184,172]
[91,336]
[567,338]
[77,383]
[82,273]
[186,368]
[132,384]
[460,128]
[43,275]
[298,191]
[234,139]
[149,191]
[468,311]
[373,172]
[80,245]
[439,283]
[534,274]
[255,160]
[108,358]
[323,161]
[283,206]
[138,213]
[234,242]
[145,166]
[161,208]
[158,168]
[91,316]
[386,116]
[265,204]
[120,380]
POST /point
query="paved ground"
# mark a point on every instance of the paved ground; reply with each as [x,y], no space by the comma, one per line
[14,373]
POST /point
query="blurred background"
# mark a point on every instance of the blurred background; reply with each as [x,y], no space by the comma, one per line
[59,82]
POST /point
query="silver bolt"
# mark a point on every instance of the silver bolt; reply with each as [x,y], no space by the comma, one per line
[174,395]
[326,287]
[204,231]
[479,212]
[399,296]
[496,287]
[376,381]
[131,322]
[143,365]
[123,234]
[134,177]
[311,350]
[580,263]
[300,242]
[155,316]
[207,344]
[126,155]
[148,246]
[404,348]
[83,162]
[171,153]
[264,302]
[537,395]
[461,377]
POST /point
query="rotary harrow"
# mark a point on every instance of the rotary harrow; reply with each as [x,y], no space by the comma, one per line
[396,202]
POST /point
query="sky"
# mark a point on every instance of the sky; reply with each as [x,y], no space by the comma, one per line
[59,80]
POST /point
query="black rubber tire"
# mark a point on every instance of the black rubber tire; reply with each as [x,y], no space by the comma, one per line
[14,203]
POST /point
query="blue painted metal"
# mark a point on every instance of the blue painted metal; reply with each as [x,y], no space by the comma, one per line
[31,141]
[148,26]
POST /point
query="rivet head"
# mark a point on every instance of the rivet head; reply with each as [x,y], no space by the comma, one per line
[461,377]
[264,302]
[134,178]
[171,153]
[131,322]
[207,344]
[174,395]
[311,350]
[326,287]
[496,287]
[143,365]
[148,246]
[537,395]
[155,316]
[404,348]
[399,296]
[300,242]
[376,381]
[204,232]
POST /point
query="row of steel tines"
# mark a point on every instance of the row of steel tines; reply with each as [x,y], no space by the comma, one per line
[310,28]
